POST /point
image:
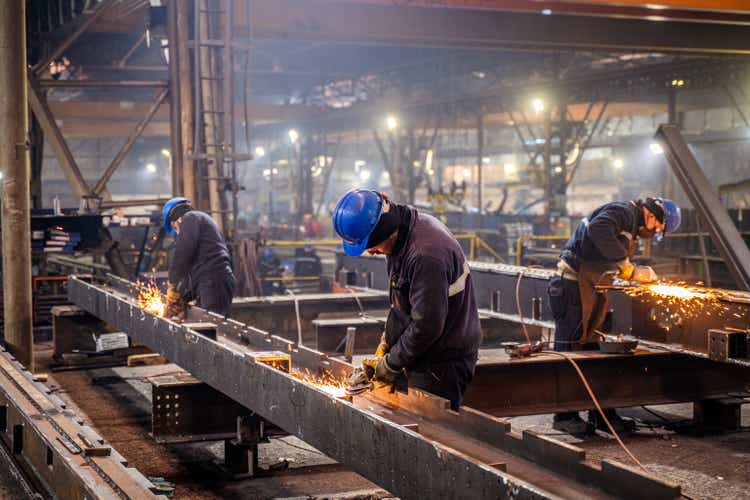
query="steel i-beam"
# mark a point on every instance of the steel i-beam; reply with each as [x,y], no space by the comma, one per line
[410,443]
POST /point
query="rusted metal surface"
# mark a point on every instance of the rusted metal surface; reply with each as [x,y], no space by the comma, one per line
[14,159]
[402,432]
[64,458]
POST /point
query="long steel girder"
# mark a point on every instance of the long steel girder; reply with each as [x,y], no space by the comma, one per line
[705,199]
[392,456]
[409,443]
[372,24]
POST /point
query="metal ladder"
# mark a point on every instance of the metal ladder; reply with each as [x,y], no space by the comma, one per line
[213,97]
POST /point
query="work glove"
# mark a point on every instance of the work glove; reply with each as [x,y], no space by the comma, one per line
[384,373]
[383,347]
[644,274]
[176,304]
[626,269]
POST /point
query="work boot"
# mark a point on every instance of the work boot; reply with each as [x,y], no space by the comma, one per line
[572,423]
[620,425]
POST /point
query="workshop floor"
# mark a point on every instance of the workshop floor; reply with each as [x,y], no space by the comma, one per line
[117,402]
[715,466]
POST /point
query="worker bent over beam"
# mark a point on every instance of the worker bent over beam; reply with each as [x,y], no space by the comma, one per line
[602,244]
[432,334]
[200,266]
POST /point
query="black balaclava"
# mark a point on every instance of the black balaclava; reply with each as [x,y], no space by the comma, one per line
[396,218]
[655,208]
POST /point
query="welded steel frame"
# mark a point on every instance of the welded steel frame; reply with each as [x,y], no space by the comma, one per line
[62,457]
[394,456]
[705,199]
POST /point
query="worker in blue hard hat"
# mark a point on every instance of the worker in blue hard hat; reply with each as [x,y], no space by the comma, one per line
[432,334]
[200,266]
[602,245]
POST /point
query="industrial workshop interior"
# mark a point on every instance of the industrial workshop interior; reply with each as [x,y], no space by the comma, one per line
[375,249]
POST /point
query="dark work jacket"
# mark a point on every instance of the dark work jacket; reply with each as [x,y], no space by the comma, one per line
[433,316]
[605,237]
[199,253]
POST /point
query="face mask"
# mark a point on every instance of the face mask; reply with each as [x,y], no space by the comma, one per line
[646,233]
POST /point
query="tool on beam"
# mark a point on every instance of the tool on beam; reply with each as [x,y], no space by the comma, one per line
[517,350]
[360,381]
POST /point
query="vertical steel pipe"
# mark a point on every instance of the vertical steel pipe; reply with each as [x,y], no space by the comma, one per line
[14,160]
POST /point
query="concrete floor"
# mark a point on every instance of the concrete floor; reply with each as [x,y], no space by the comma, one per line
[117,402]
[715,466]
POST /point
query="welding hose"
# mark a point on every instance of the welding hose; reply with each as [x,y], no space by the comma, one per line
[580,374]
[599,407]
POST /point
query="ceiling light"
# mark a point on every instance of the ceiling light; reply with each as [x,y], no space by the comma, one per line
[151,168]
[293,135]
[391,122]
[656,148]
[260,152]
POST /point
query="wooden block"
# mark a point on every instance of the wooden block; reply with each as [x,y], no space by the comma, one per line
[40,377]
[147,360]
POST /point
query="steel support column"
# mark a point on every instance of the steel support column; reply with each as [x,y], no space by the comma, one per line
[186,102]
[175,103]
[705,199]
[14,159]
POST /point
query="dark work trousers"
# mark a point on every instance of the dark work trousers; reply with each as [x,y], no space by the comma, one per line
[215,293]
[565,304]
[447,379]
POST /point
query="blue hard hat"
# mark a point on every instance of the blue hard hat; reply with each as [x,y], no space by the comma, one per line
[355,218]
[672,216]
[168,206]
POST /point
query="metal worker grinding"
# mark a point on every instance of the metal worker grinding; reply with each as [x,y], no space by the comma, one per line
[200,265]
[601,246]
[432,334]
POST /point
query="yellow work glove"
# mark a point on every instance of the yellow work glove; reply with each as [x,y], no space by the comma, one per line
[644,274]
[385,375]
[175,307]
[383,348]
[626,269]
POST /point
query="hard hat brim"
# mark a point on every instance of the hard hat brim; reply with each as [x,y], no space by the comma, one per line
[355,250]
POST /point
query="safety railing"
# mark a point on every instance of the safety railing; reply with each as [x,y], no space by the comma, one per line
[476,245]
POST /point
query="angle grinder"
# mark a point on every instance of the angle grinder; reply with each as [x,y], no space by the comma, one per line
[360,380]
